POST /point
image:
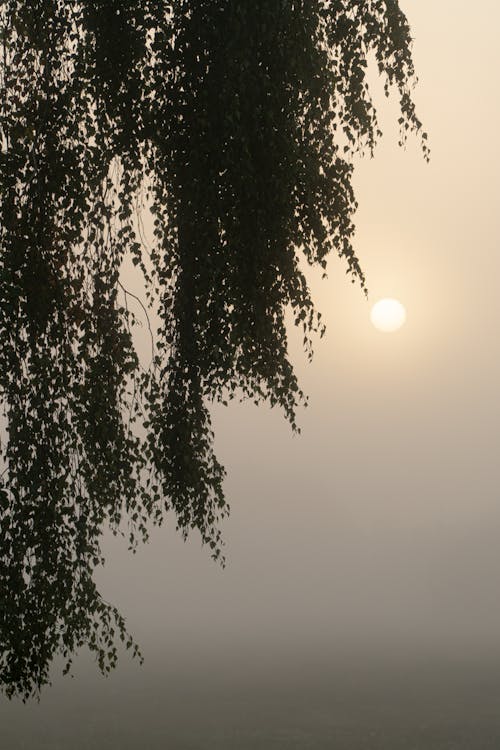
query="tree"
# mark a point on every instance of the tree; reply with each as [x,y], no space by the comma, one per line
[235,124]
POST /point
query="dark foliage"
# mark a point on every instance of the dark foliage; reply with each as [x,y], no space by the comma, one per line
[235,123]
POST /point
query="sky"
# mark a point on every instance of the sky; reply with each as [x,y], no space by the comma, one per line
[369,543]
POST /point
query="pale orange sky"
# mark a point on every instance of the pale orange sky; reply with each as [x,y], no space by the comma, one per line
[382,519]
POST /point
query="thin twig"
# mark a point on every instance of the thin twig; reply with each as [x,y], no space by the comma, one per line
[134,296]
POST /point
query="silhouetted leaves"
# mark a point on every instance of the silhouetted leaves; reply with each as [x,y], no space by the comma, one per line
[235,123]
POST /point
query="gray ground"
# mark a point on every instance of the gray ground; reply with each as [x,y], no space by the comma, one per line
[408,704]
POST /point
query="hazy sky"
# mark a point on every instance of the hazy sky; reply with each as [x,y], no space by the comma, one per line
[378,528]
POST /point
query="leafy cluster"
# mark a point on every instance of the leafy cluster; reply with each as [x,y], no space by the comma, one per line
[235,123]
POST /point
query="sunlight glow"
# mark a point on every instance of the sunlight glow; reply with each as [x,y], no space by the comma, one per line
[388,315]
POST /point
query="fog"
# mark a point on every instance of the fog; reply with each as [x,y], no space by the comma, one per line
[360,604]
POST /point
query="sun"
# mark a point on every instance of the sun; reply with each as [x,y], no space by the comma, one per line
[388,315]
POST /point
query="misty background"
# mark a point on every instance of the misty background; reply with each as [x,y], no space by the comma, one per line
[360,605]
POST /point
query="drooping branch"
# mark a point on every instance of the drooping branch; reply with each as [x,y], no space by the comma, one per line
[238,121]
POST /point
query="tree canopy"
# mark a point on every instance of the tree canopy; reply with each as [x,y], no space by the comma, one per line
[234,123]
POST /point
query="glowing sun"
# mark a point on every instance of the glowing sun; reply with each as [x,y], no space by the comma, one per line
[388,315]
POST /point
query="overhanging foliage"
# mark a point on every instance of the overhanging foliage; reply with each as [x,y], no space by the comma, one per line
[235,122]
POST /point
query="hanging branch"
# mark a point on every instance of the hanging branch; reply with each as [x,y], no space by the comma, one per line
[238,123]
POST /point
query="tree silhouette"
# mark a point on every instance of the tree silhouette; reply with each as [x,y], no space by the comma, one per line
[235,124]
